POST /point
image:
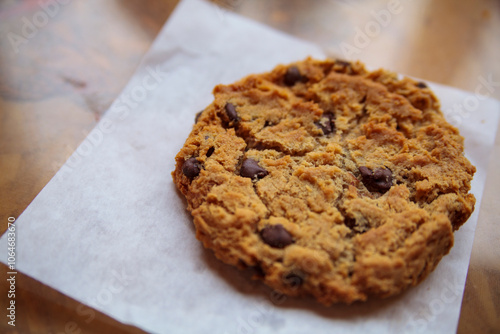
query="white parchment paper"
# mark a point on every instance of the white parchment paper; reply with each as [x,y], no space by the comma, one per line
[111,231]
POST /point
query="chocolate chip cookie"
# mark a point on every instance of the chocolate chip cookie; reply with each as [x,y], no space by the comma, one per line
[327,179]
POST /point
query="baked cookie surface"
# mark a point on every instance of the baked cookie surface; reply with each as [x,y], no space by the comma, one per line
[328,179]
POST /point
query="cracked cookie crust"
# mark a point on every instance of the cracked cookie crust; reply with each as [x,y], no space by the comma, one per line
[327,179]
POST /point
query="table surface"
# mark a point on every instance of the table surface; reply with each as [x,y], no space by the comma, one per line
[63,63]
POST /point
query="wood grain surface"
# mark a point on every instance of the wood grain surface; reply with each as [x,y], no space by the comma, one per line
[62,63]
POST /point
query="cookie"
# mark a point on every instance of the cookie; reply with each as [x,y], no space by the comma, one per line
[327,179]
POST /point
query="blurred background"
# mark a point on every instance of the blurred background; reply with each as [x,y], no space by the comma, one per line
[63,62]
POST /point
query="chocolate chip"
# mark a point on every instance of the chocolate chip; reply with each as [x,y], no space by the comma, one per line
[379,180]
[350,222]
[276,236]
[292,76]
[343,63]
[191,168]
[250,168]
[293,280]
[210,151]
[197,117]
[421,85]
[327,123]
[258,272]
[231,112]
[365,171]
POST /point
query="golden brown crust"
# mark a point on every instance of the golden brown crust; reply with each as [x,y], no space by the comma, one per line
[358,173]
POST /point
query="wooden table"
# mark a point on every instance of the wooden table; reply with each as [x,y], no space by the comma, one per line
[62,63]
